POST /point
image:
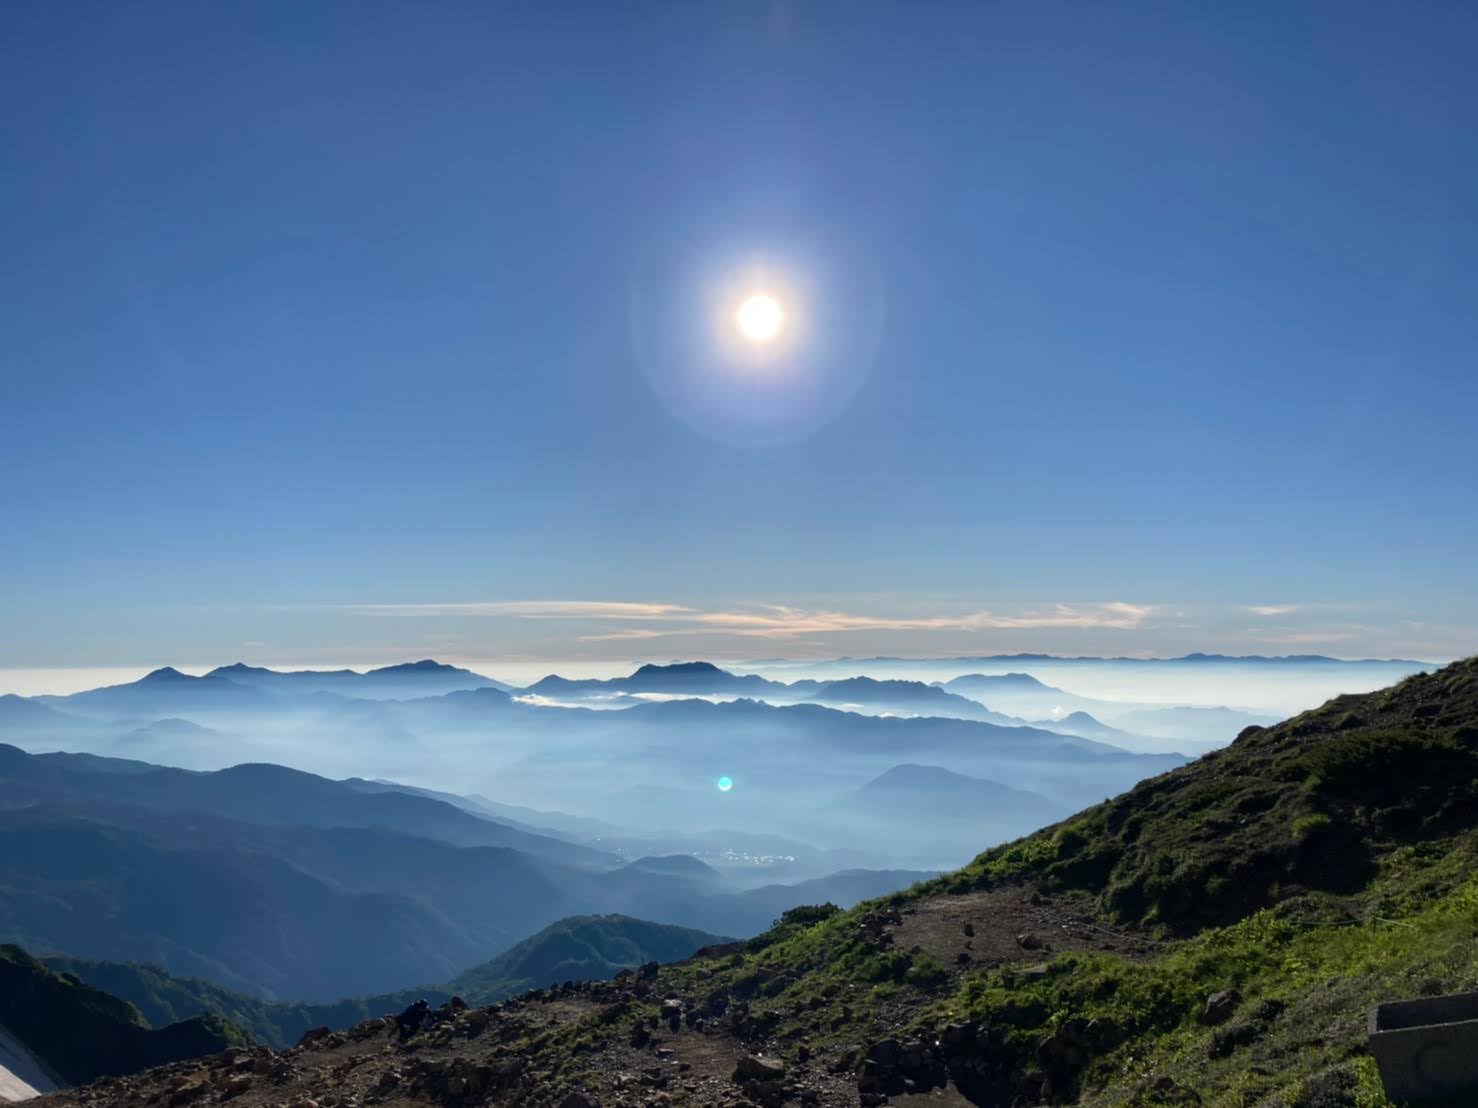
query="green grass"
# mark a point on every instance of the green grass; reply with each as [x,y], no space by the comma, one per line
[1306,985]
[81,1033]
[576,948]
[1317,867]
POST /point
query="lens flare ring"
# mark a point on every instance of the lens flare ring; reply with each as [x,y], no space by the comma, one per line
[756,348]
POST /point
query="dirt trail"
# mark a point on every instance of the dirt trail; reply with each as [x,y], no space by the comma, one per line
[1006,925]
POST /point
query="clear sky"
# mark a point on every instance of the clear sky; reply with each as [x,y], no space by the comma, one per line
[350,332]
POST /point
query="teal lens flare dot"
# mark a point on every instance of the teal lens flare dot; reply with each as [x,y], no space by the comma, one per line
[725,784]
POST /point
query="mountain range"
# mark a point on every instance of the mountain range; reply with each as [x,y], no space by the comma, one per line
[791,754]
[1215,934]
[580,948]
[288,885]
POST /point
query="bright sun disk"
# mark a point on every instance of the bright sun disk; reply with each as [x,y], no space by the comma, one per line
[760,317]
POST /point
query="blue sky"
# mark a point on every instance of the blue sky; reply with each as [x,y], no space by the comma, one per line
[346,332]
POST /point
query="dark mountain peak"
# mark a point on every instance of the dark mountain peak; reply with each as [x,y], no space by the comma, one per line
[1003,681]
[684,865]
[948,794]
[911,775]
[238,668]
[888,691]
[174,725]
[247,771]
[861,682]
[1025,680]
[164,674]
[425,665]
[677,669]
[1080,718]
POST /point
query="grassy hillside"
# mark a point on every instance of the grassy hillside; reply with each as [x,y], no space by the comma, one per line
[1214,937]
[1308,871]
[580,948]
[1314,867]
[82,1033]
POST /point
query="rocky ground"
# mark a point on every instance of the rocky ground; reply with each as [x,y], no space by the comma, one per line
[655,1037]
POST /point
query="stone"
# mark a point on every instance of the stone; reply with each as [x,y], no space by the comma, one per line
[1220,1006]
[412,1019]
[884,1053]
[752,1067]
[956,1034]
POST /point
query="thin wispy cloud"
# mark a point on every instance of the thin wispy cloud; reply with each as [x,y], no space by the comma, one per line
[532,609]
[630,635]
[1273,609]
[777,621]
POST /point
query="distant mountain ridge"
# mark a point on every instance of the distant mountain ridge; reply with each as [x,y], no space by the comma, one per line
[263,794]
[692,678]
[1194,657]
[1215,935]
[906,698]
[269,880]
[407,679]
[578,948]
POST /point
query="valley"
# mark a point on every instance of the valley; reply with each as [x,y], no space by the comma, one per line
[283,900]
[1215,933]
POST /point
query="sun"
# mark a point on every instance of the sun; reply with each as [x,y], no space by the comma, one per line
[760,317]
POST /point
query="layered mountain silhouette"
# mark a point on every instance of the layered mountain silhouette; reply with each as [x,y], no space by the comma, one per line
[931,792]
[398,682]
[579,948]
[286,884]
[1216,933]
[679,678]
[911,698]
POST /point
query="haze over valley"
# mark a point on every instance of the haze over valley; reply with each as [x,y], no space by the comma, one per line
[309,835]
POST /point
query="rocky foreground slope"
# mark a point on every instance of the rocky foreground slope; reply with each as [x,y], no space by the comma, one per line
[1215,936]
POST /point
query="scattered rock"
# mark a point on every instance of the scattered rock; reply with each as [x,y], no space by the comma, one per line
[412,1019]
[751,1067]
[236,1084]
[1220,1006]
[313,1035]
